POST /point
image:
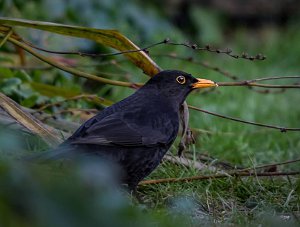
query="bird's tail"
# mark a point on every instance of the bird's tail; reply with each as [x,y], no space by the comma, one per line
[61,152]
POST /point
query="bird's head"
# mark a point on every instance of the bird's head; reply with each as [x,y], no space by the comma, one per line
[176,84]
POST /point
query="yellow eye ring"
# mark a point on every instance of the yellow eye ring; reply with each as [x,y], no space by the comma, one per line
[181,79]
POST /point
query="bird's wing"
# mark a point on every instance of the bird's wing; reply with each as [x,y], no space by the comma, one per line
[115,130]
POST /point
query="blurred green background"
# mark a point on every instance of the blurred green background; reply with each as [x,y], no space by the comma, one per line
[77,195]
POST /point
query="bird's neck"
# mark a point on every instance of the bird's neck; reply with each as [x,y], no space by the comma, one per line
[159,95]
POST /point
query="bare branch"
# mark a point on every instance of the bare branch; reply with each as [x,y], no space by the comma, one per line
[145,49]
[282,129]
[226,51]
[166,41]
[71,70]
[274,78]
[247,83]
[83,96]
[204,64]
[270,165]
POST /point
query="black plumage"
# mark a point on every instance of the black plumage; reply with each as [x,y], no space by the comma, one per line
[136,132]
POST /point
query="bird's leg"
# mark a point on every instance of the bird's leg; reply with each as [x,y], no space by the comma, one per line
[184,121]
[132,188]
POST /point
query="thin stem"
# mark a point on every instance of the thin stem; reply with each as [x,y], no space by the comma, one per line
[247,83]
[95,98]
[204,64]
[274,78]
[9,33]
[34,67]
[94,55]
[282,129]
[71,70]
[226,51]
[270,165]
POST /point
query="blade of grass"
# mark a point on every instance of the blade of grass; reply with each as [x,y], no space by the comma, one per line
[72,70]
[32,124]
[111,38]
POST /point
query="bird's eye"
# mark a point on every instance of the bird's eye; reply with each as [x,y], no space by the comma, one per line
[180,79]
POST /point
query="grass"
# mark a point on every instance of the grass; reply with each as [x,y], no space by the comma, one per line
[74,195]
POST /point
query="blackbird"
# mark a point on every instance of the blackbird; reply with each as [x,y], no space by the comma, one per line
[136,132]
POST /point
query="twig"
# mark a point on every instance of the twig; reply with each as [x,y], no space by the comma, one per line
[27,67]
[226,51]
[270,165]
[282,129]
[166,41]
[73,111]
[145,49]
[215,176]
[253,84]
[71,70]
[273,78]
[204,64]
[5,38]
[247,83]
[84,96]
[59,124]
[127,74]
[34,67]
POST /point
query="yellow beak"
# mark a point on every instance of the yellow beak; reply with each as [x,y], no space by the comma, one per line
[202,83]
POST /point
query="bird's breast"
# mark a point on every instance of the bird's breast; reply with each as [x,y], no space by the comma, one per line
[157,120]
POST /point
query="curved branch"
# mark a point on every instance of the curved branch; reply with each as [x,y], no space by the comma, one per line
[250,84]
[282,129]
[269,165]
[202,63]
[274,78]
[71,70]
[145,49]
[226,51]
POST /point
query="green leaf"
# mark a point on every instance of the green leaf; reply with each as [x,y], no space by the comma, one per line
[30,101]
[23,75]
[9,85]
[51,91]
[6,73]
[111,38]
